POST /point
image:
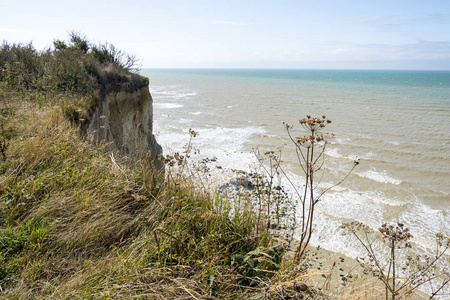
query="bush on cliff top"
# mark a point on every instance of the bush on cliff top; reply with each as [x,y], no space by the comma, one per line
[73,68]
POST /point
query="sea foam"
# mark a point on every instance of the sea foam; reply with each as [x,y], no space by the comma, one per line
[382,177]
[160,105]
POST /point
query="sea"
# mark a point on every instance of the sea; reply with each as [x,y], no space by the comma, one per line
[395,123]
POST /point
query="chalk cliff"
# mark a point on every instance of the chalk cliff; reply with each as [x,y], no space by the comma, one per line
[123,117]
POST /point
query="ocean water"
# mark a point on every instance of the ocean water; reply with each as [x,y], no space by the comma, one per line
[395,122]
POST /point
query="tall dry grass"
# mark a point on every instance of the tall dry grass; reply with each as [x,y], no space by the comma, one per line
[79,221]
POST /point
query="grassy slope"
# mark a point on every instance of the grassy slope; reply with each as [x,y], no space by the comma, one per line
[73,223]
[76,224]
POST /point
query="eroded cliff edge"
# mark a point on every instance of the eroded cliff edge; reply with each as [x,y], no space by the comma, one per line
[123,117]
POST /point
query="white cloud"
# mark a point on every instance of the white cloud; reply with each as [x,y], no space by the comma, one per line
[124,45]
[420,55]
[11,30]
[421,50]
[222,22]
[365,18]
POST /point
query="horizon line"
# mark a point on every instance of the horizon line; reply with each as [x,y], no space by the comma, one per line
[292,69]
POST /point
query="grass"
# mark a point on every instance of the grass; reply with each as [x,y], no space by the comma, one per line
[74,224]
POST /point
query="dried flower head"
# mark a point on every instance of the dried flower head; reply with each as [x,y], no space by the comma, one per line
[395,233]
[442,240]
[314,124]
[193,133]
[356,226]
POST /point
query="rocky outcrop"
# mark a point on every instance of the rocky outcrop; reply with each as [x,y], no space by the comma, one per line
[123,117]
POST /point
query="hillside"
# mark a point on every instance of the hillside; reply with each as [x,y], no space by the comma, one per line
[77,220]
[88,210]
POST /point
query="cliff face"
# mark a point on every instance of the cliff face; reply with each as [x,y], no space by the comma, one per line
[123,117]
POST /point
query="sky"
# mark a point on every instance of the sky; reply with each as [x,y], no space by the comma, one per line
[294,34]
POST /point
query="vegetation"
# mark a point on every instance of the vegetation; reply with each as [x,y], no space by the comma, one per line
[310,153]
[402,271]
[311,156]
[79,222]
[75,222]
[77,70]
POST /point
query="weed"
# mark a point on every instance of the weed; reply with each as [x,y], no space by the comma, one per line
[402,271]
[310,151]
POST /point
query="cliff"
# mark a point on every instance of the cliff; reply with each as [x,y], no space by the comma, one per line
[123,117]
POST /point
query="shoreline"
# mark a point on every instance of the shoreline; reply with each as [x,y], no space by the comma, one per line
[340,273]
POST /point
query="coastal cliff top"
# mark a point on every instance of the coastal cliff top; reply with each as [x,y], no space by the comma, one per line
[78,69]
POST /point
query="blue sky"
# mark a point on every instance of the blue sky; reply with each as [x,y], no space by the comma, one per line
[330,34]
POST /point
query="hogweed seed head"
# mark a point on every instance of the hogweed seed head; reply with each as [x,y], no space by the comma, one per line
[193,133]
[395,233]
[314,124]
